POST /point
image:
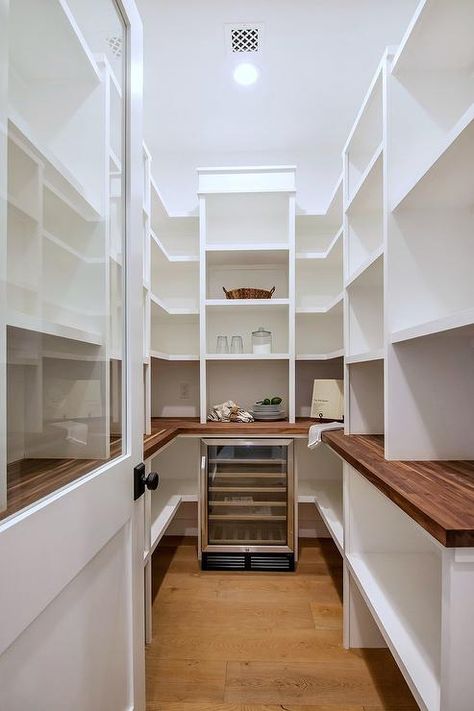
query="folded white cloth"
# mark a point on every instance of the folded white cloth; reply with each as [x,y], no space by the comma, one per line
[229,412]
[314,434]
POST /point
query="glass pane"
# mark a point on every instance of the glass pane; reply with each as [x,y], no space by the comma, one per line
[247,494]
[65,243]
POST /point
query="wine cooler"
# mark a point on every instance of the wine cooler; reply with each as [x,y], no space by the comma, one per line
[247,504]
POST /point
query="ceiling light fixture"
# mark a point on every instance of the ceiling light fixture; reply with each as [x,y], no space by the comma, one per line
[245,74]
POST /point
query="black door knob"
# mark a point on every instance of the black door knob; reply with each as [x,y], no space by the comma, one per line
[151,480]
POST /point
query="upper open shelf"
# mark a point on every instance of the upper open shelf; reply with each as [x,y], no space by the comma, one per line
[251,269]
[449,181]
[431,91]
[43,32]
[439,38]
[316,235]
[56,176]
[176,235]
[366,137]
[255,221]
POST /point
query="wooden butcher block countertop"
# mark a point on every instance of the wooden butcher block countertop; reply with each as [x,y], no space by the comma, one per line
[164,430]
[439,495]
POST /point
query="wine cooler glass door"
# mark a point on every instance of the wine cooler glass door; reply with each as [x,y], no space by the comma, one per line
[249,494]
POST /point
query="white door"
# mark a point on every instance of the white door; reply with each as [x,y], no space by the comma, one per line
[71,356]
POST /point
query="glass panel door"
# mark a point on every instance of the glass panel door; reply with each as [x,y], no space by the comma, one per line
[64,247]
[247,494]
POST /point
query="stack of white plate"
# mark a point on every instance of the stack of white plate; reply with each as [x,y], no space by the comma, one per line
[268,412]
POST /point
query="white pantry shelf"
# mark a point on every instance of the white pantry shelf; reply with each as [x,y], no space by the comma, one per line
[458,320]
[370,176]
[321,309]
[51,328]
[438,38]
[57,177]
[247,356]
[165,502]
[245,303]
[403,593]
[446,178]
[160,355]
[115,164]
[16,205]
[360,271]
[327,497]
[45,31]
[366,357]
[321,356]
[172,257]
[250,247]
[60,244]
[173,310]
[324,254]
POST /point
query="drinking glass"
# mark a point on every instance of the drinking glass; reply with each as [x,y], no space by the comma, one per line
[237,344]
[222,344]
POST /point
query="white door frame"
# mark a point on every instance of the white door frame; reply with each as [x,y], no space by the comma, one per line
[47,546]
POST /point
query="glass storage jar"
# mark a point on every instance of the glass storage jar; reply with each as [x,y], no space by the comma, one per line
[261,341]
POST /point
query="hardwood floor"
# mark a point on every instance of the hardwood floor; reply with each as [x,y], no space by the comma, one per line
[260,641]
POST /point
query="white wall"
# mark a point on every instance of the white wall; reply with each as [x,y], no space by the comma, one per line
[175,173]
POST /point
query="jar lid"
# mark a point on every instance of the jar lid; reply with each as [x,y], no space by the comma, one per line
[261,332]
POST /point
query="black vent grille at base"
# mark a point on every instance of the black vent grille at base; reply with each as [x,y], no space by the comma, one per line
[261,562]
[223,561]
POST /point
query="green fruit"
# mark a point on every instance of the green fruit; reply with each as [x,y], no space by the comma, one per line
[267,401]
[275,401]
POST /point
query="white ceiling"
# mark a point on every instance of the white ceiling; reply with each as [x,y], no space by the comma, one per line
[317,61]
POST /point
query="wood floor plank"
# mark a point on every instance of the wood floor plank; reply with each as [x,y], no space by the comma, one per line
[252,707]
[302,645]
[347,681]
[260,642]
[327,616]
[179,680]
[226,616]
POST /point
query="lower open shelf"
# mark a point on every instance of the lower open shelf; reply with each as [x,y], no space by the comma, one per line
[165,502]
[327,497]
[403,593]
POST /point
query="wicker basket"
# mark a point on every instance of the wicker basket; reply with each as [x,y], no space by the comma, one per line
[247,293]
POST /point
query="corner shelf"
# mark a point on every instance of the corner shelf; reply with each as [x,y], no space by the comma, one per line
[159,355]
[320,356]
[172,258]
[336,301]
[246,356]
[165,503]
[167,308]
[327,497]
[325,254]
[366,357]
